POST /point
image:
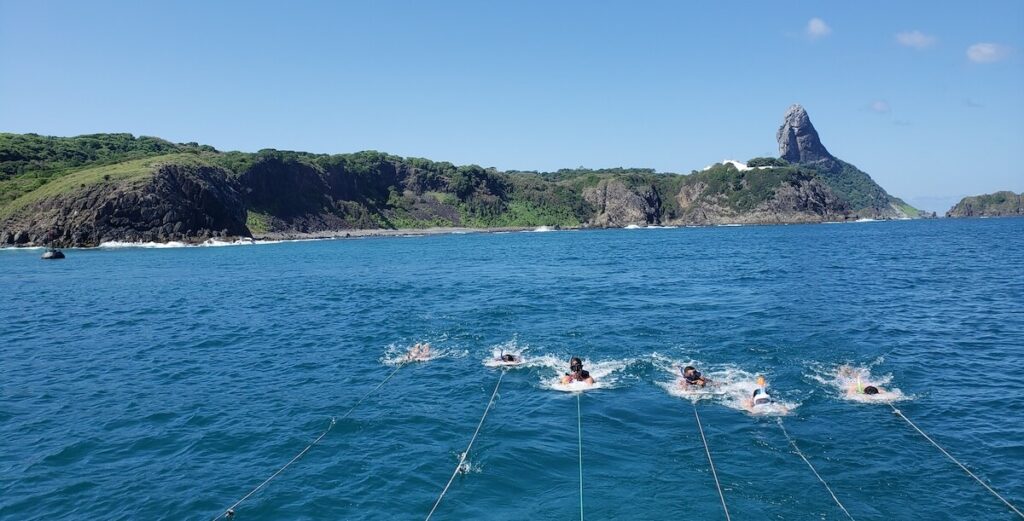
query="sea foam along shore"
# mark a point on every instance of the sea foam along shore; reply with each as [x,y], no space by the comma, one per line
[382,232]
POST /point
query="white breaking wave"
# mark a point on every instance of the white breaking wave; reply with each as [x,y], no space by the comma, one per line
[540,229]
[179,244]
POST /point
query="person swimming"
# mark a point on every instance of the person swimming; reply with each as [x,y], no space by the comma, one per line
[760,397]
[858,388]
[577,373]
[692,377]
[418,352]
[508,358]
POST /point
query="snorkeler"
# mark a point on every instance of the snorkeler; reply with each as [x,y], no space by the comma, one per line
[508,358]
[692,377]
[858,388]
[760,397]
[577,374]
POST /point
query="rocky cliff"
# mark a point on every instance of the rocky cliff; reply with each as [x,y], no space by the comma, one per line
[800,144]
[157,202]
[999,204]
[723,194]
[617,205]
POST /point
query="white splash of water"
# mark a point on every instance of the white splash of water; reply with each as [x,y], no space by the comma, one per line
[511,347]
[849,381]
[606,373]
[727,384]
[243,241]
[397,354]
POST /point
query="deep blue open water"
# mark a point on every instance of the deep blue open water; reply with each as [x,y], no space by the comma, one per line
[166,383]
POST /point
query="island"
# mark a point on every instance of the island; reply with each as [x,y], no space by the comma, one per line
[999,204]
[87,190]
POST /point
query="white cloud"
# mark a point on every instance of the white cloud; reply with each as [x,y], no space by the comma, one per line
[915,39]
[817,28]
[987,52]
[880,106]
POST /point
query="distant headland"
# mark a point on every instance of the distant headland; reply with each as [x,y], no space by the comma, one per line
[91,189]
[999,204]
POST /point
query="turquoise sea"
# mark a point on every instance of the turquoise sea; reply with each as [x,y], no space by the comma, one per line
[146,383]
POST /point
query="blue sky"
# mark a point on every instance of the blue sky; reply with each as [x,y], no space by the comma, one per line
[926,97]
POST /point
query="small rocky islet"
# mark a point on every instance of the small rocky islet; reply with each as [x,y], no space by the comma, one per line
[998,204]
[86,190]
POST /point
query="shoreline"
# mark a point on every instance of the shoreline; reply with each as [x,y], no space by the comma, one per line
[277,237]
[387,232]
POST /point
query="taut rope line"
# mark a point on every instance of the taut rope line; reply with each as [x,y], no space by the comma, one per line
[954,460]
[462,457]
[711,462]
[579,436]
[230,511]
[801,454]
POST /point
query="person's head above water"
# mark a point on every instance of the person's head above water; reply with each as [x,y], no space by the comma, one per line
[692,375]
[508,358]
[575,364]
[870,390]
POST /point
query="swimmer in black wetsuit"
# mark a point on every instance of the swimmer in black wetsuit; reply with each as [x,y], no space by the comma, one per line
[577,374]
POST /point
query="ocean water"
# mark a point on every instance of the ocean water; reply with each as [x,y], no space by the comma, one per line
[167,383]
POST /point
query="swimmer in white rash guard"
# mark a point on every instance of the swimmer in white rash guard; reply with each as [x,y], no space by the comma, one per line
[760,399]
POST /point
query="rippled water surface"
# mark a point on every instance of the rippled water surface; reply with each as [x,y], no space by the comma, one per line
[167,383]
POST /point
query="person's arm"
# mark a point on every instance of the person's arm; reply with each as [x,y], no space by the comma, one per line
[590,379]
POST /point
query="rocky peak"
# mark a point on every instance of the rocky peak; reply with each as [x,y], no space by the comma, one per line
[798,141]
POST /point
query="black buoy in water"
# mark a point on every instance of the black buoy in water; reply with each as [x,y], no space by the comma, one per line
[53,254]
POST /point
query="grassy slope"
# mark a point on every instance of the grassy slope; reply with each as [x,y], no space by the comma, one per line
[123,172]
[28,161]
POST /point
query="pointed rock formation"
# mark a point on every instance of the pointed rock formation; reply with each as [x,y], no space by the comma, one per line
[798,140]
[799,144]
